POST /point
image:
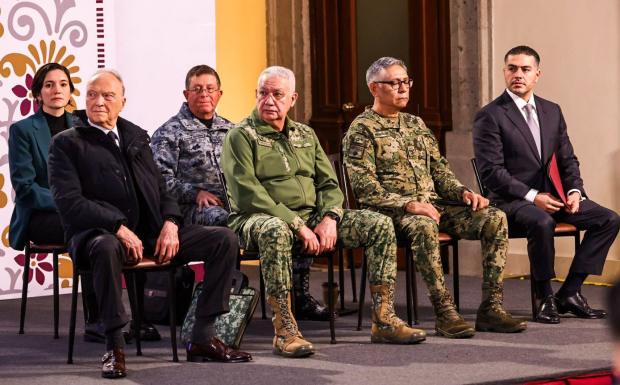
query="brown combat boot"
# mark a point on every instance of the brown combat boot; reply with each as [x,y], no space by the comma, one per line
[491,316]
[449,322]
[288,341]
[387,328]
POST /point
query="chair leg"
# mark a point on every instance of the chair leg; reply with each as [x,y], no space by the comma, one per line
[25,276]
[341,276]
[262,291]
[74,295]
[56,295]
[455,273]
[331,299]
[130,279]
[352,268]
[533,293]
[173,315]
[360,312]
[408,281]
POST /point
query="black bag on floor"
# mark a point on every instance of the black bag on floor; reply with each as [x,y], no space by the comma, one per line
[229,327]
[156,294]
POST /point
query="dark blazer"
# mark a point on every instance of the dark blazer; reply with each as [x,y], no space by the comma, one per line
[92,183]
[507,157]
[29,141]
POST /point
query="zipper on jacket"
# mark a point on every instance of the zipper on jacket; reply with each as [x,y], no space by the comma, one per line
[303,193]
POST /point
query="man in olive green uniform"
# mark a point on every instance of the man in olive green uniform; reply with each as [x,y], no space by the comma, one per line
[396,169]
[283,189]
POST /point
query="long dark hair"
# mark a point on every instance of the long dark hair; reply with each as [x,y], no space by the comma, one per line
[39,79]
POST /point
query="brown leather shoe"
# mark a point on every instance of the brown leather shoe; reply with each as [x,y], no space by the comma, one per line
[113,364]
[215,350]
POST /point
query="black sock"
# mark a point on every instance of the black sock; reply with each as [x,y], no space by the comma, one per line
[572,284]
[543,288]
[114,339]
[204,330]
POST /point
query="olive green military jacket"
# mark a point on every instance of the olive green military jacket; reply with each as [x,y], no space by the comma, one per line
[268,173]
[392,162]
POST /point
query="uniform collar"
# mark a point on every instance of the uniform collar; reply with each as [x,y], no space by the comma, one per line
[263,128]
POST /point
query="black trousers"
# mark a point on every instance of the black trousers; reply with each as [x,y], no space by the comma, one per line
[601,226]
[217,247]
[45,228]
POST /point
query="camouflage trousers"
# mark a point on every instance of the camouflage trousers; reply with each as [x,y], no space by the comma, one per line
[272,237]
[489,225]
[209,216]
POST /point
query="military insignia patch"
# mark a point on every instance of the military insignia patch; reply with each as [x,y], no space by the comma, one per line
[356,152]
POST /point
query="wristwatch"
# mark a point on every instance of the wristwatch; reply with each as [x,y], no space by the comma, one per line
[333,216]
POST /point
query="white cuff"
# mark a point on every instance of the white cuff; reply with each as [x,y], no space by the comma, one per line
[577,190]
[531,195]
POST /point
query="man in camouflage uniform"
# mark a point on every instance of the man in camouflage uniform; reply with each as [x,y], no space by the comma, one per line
[396,169]
[282,186]
[187,149]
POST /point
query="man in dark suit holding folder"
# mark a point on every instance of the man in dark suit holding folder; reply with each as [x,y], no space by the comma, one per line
[515,138]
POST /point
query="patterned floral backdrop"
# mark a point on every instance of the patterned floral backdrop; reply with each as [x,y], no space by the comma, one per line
[76,35]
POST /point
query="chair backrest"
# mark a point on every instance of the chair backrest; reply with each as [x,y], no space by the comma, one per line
[483,190]
[338,166]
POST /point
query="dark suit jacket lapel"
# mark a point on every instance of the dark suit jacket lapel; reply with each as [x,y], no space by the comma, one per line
[515,116]
[41,133]
[545,133]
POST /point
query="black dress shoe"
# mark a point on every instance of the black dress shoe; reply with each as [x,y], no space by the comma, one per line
[547,311]
[215,350]
[148,332]
[94,333]
[308,308]
[113,364]
[577,305]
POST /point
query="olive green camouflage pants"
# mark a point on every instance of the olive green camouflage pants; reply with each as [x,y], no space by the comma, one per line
[272,237]
[489,225]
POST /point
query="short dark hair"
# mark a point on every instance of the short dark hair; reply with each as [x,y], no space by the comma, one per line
[199,70]
[39,79]
[523,50]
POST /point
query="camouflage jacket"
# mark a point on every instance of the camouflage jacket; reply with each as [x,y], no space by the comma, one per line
[393,162]
[270,173]
[188,155]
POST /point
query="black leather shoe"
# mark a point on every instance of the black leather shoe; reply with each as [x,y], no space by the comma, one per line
[215,350]
[94,333]
[148,332]
[547,311]
[577,305]
[308,308]
[113,364]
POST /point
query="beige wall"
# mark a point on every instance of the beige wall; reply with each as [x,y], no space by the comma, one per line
[579,45]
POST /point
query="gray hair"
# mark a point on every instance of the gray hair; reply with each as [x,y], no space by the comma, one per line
[112,72]
[278,72]
[377,68]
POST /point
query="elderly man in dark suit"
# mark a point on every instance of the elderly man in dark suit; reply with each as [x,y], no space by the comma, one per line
[114,207]
[515,138]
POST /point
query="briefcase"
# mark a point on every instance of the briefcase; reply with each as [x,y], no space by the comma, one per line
[229,327]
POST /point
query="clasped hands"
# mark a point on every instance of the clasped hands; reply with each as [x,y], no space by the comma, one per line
[321,240]
[476,201]
[166,248]
[550,204]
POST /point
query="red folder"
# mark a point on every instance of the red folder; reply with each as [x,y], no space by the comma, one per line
[553,172]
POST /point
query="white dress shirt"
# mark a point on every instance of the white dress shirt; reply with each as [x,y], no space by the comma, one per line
[531,195]
[105,131]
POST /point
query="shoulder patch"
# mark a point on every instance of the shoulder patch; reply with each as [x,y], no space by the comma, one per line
[357,145]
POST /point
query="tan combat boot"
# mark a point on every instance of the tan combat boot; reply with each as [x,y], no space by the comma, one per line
[288,341]
[449,322]
[387,328]
[491,316]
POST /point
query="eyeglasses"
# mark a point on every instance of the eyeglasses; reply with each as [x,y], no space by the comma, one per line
[408,83]
[200,90]
[277,95]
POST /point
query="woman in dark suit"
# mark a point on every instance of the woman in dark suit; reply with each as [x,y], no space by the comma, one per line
[35,217]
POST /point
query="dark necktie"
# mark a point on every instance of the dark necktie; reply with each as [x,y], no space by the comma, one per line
[533,126]
[114,138]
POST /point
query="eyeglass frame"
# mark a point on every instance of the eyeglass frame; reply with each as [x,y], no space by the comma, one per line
[199,90]
[396,82]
